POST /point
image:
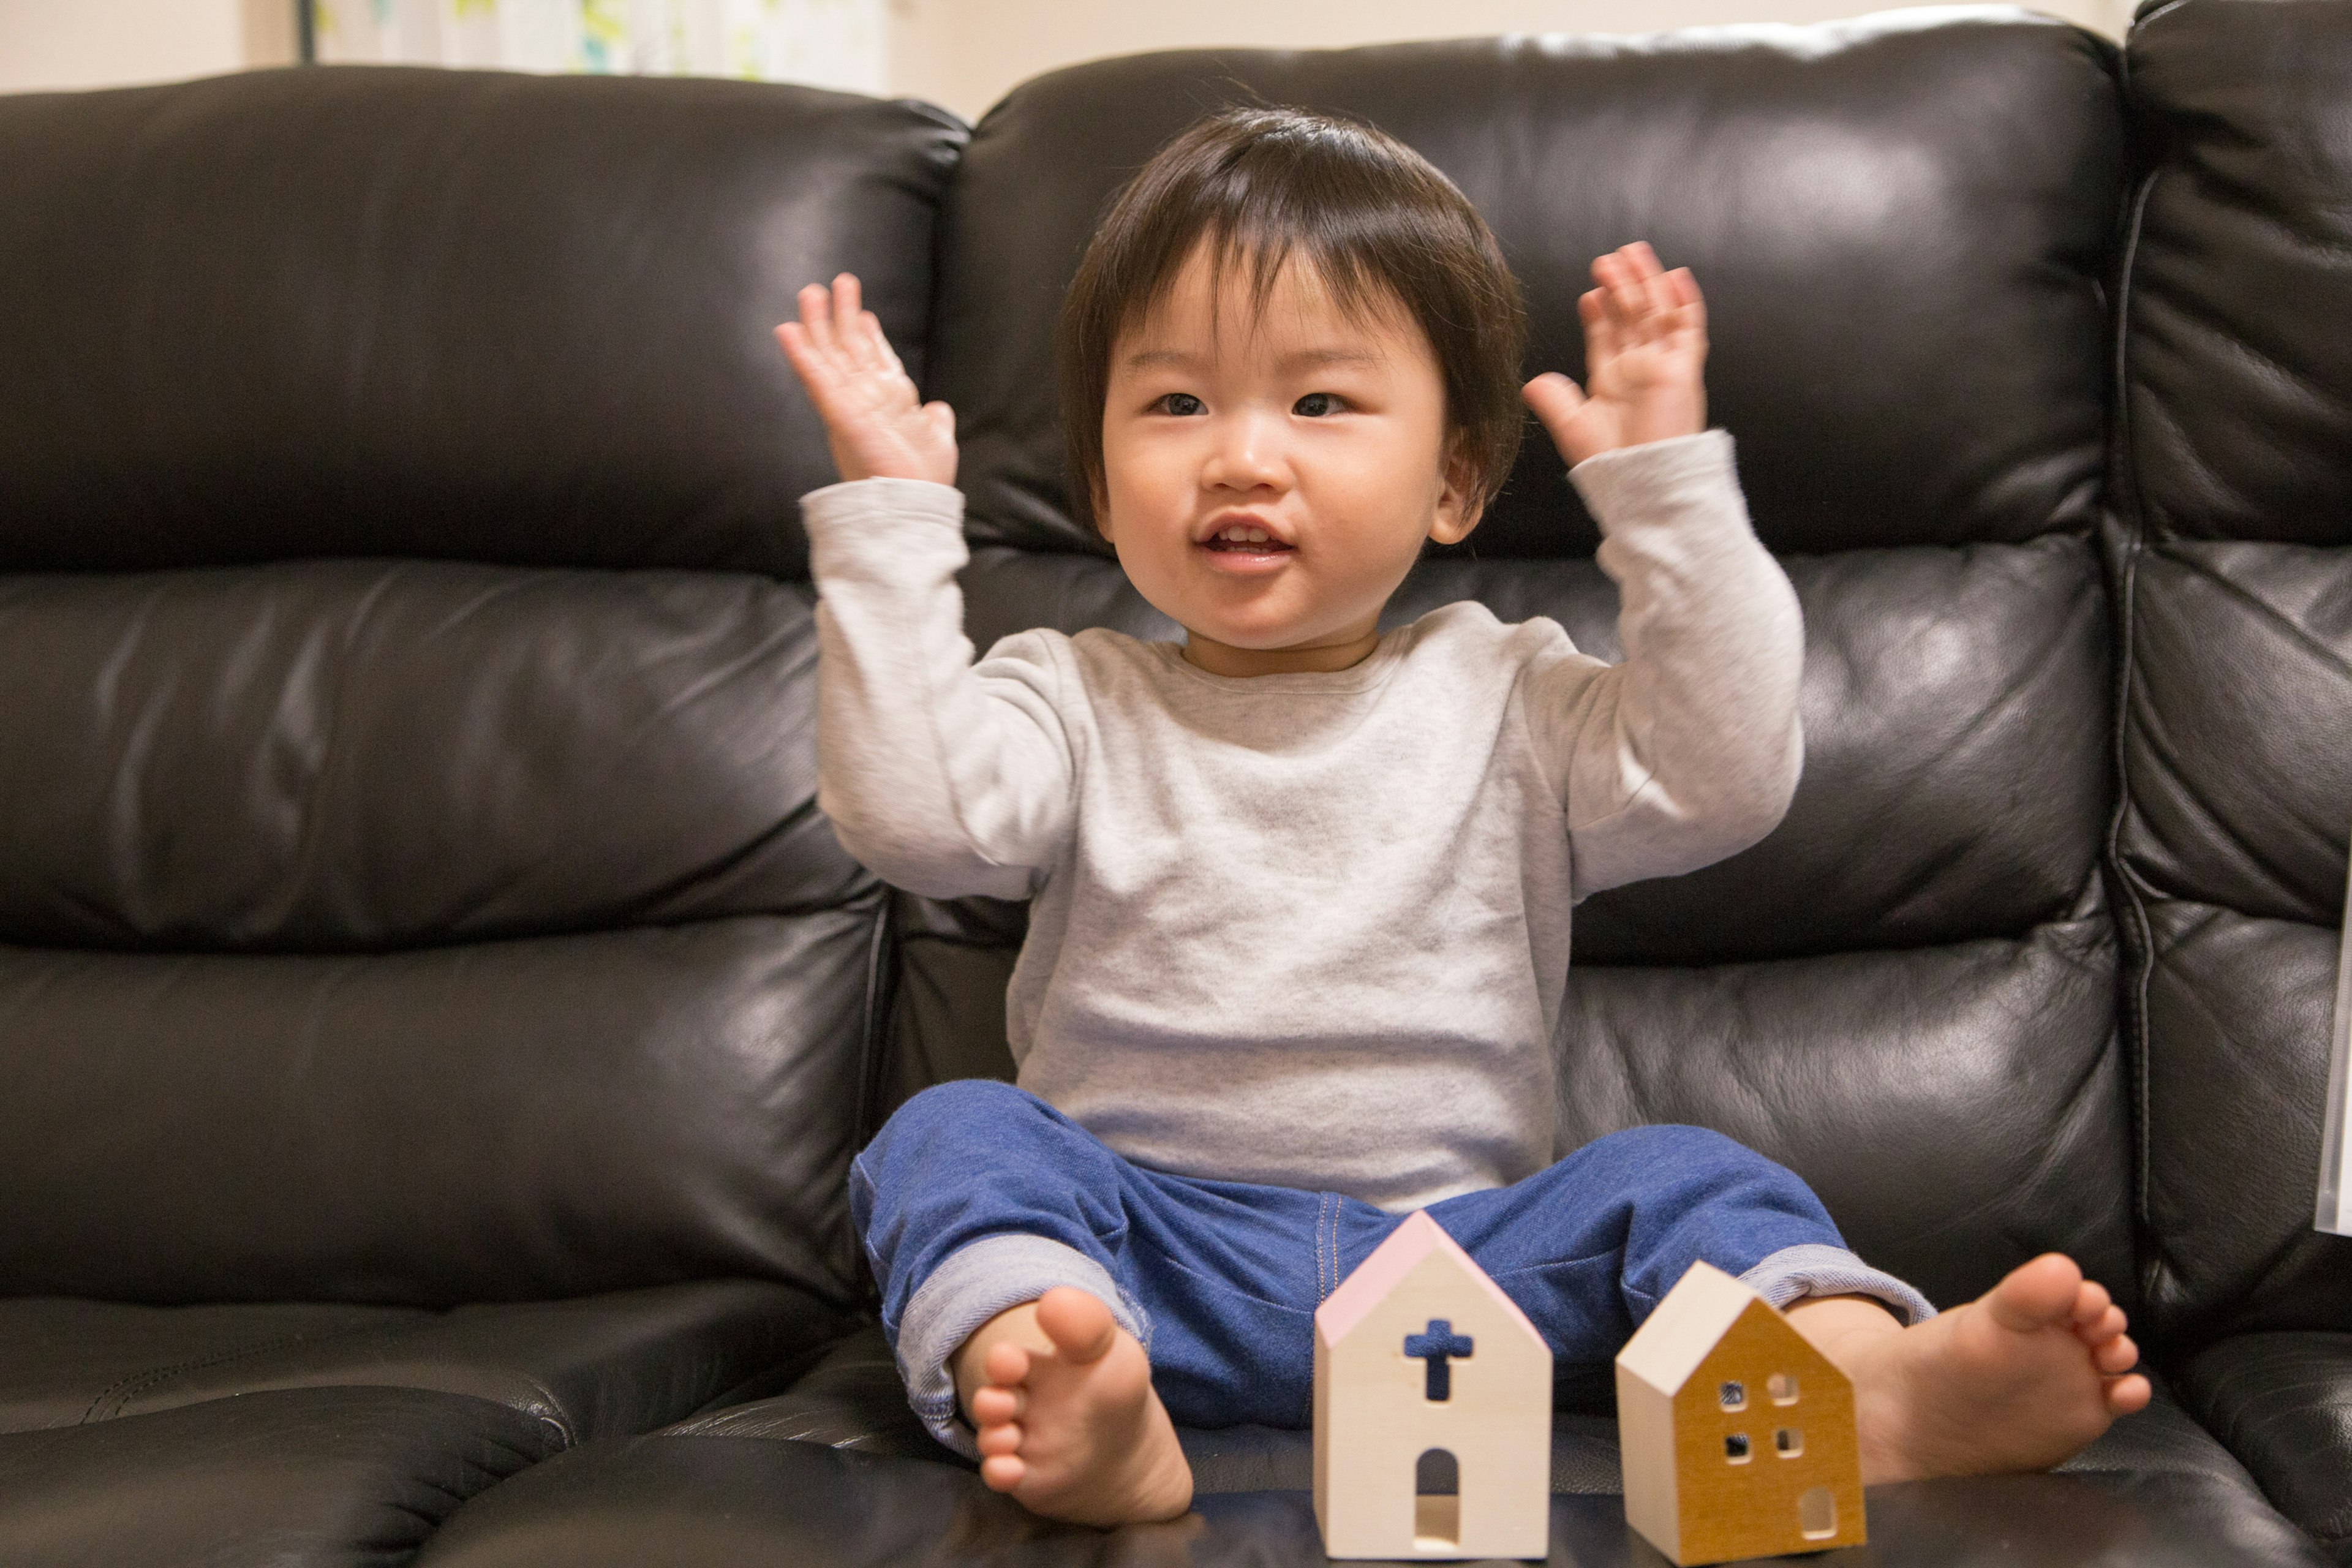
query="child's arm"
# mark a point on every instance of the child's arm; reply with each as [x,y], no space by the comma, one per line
[1689,749]
[942,778]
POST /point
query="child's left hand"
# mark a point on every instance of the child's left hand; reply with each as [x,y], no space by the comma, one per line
[1644,356]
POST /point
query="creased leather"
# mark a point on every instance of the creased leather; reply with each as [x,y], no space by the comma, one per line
[1903,229]
[337,756]
[2237,1013]
[478,315]
[2283,1402]
[592,1367]
[526,1119]
[331,1478]
[1958,1110]
[2237,372]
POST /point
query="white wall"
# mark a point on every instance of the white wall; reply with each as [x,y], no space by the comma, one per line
[960,53]
[113,43]
[964,54]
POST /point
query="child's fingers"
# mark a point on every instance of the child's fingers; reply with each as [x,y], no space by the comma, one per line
[848,299]
[816,321]
[1628,299]
[1690,304]
[818,376]
[877,341]
[1600,331]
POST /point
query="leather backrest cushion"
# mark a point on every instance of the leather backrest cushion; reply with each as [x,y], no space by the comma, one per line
[511,1120]
[1959,1109]
[332,756]
[1902,225]
[1957,785]
[2232,847]
[465,314]
[2232,459]
[2237,368]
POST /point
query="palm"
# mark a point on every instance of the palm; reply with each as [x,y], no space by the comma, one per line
[1645,356]
[876,423]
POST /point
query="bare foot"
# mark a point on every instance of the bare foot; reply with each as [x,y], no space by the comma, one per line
[1061,1397]
[2022,1377]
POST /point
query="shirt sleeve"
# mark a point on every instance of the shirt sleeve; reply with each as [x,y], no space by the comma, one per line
[1689,749]
[943,777]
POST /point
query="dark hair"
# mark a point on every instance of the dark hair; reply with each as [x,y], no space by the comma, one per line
[1373,217]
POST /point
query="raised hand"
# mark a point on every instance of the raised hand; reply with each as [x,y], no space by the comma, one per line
[1645,359]
[874,421]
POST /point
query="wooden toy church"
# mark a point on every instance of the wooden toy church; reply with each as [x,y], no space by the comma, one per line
[1432,1409]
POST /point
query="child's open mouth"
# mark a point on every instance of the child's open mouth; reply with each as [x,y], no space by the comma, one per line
[1243,542]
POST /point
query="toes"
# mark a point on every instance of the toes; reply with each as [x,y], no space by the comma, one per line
[2117,1355]
[2036,1295]
[999,1437]
[1006,1364]
[2111,1323]
[2091,1303]
[1080,1326]
[991,1405]
[1001,1472]
[2128,1395]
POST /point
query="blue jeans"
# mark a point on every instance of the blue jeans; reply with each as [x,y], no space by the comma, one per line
[978,1196]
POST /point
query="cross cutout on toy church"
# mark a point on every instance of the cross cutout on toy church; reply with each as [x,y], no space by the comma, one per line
[1437,1347]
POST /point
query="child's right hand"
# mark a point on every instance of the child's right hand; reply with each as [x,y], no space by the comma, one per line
[874,421]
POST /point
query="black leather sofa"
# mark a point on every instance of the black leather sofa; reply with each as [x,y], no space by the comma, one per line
[434,1019]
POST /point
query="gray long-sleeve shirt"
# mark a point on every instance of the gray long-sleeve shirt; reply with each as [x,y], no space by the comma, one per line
[1309,929]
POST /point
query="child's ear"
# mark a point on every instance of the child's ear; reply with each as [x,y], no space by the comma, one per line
[1458,505]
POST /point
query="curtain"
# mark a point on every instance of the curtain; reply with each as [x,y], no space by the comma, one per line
[829,43]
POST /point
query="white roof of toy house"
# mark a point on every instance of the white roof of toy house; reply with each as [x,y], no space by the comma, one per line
[1682,1331]
[1407,1248]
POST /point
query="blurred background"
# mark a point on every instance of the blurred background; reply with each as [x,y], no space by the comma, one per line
[963,54]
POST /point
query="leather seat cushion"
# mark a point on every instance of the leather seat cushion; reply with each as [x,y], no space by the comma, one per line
[325,1477]
[597,1366]
[716,1502]
[2282,1403]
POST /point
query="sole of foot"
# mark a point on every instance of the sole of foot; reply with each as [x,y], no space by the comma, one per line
[1067,1420]
[2020,1378]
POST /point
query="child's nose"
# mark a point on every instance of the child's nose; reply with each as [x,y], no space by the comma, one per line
[1249,452]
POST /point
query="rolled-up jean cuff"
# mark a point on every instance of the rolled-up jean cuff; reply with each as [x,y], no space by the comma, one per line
[971,1285]
[1794,1273]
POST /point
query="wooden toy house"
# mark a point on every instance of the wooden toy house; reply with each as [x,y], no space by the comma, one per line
[1737,1436]
[1432,1409]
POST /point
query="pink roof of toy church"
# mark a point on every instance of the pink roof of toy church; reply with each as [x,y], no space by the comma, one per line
[1385,1269]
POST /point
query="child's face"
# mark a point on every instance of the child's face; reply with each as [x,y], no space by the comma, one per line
[1324,434]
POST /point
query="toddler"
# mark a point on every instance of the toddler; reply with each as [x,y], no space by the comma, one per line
[1300,890]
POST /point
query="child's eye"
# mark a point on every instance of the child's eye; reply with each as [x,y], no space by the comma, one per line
[1183,404]
[1316,404]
